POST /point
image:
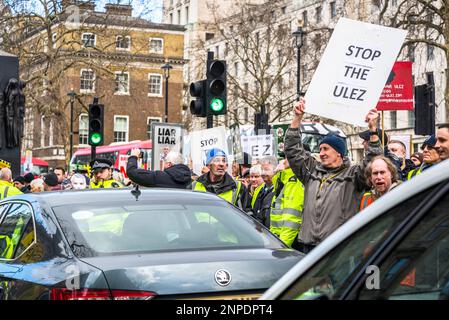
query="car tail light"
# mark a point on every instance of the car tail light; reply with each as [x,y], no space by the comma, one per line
[99,294]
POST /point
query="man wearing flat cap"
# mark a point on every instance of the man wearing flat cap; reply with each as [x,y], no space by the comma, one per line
[219,182]
[102,174]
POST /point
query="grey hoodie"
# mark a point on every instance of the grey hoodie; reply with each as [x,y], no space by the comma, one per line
[331,196]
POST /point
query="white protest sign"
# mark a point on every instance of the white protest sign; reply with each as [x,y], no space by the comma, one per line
[406,139]
[203,140]
[258,146]
[353,71]
[167,137]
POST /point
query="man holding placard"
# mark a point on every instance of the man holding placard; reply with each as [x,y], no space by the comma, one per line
[333,187]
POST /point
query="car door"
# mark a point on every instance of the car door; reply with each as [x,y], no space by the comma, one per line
[17,234]
[351,262]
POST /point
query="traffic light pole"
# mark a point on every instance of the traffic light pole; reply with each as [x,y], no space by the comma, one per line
[93,153]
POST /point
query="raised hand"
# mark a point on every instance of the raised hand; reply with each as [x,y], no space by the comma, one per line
[372,118]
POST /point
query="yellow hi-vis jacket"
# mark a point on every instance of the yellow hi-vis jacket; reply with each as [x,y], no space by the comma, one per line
[111,183]
[230,196]
[256,194]
[286,209]
[7,189]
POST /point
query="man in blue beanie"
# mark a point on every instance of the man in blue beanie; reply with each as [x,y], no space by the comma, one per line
[430,156]
[333,188]
[219,182]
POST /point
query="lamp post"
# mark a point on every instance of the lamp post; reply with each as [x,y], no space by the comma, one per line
[166,67]
[72,96]
[298,34]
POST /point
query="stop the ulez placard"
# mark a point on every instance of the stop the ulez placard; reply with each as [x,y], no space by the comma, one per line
[353,70]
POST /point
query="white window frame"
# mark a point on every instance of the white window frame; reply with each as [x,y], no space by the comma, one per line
[127,126]
[120,93]
[93,80]
[95,39]
[87,129]
[151,49]
[148,123]
[150,94]
[123,49]
[42,131]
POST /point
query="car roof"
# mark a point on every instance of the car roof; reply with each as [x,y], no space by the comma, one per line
[58,198]
[428,178]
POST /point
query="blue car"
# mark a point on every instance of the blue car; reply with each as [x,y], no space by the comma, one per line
[113,244]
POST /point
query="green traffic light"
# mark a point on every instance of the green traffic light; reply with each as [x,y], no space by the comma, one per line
[95,138]
[216,105]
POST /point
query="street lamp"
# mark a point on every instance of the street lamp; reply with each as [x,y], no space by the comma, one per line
[72,96]
[298,34]
[166,67]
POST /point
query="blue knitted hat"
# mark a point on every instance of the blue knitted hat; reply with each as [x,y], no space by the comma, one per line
[430,141]
[336,143]
[215,152]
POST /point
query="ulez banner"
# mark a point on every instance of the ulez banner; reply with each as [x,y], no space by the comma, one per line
[398,91]
[353,71]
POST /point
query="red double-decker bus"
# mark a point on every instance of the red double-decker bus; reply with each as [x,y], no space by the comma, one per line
[117,152]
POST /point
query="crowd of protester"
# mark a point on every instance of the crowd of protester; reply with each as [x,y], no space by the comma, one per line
[302,198]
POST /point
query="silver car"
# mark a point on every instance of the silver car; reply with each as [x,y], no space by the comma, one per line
[396,249]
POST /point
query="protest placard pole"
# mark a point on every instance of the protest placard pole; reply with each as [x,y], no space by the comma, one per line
[383,130]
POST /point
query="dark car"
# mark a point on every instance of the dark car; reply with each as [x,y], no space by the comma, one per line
[396,249]
[108,244]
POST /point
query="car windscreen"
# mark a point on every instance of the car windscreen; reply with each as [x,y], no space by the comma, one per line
[108,228]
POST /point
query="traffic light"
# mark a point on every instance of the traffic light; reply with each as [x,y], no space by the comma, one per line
[96,126]
[198,106]
[216,87]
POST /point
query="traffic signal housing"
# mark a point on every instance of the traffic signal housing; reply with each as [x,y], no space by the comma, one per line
[216,90]
[198,106]
[96,124]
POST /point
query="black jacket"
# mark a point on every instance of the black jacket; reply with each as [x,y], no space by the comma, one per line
[243,199]
[262,206]
[177,176]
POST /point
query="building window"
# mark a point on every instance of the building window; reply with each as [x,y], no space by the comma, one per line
[157,45]
[246,114]
[83,129]
[217,52]
[411,118]
[318,14]
[411,52]
[88,39]
[430,54]
[333,9]
[304,18]
[236,68]
[179,17]
[187,15]
[284,10]
[171,18]
[151,120]
[155,85]
[120,128]
[87,81]
[121,83]
[393,119]
[123,43]
[43,131]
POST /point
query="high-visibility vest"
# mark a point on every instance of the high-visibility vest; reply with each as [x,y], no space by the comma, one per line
[8,248]
[256,194]
[7,189]
[230,196]
[286,208]
[111,183]
[11,242]
[367,199]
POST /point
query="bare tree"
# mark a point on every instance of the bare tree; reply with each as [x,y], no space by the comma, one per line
[427,22]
